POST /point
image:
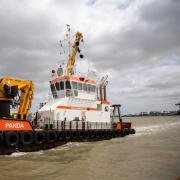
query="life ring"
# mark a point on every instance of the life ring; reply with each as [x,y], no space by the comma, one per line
[60,135]
[11,138]
[39,137]
[26,138]
[1,139]
[51,136]
[67,135]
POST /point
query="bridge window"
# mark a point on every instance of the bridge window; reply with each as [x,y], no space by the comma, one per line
[74,85]
[62,85]
[75,92]
[89,87]
[53,90]
[80,86]
[68,89]
[93,88]
[85,87]
[57,86]
[53,87]
[68,85]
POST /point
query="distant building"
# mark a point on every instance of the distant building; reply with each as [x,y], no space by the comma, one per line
[155,113]
[143,114]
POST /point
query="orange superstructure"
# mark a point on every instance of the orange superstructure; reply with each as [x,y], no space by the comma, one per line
[74,78]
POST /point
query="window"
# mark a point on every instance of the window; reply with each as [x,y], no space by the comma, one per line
[93,88]
[53,90]
[68,85]
[89,87]
[80,86]
[57,86]
[62,85]
[53,87]
[74,85]
[85,87]
[69,92]
[75,92]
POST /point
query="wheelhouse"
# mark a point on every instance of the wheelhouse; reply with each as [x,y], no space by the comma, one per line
[85,89]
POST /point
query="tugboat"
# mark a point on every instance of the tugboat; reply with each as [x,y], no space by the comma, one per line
[79,110]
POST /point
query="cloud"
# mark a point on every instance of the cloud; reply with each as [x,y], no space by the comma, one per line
[137,42]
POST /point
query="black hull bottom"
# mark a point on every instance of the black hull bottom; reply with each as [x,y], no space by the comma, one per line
[49,144]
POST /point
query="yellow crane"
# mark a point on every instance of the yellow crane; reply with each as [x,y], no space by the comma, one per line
[9,89]
[75,46]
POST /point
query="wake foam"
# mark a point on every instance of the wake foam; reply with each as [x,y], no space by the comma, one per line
[155,128]
[17,154]
[66,146]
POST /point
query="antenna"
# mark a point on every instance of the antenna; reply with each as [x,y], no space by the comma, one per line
[68,37]
[62,47]
[104,80]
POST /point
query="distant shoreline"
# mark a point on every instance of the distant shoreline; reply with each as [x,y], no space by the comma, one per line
[150,115]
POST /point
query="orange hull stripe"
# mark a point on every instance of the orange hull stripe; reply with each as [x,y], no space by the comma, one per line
[75,78]
[14,125]
[77,108]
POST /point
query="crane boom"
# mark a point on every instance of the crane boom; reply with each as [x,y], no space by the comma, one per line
[75,46]
[9,89]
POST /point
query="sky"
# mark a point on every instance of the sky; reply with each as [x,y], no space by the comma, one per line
[135,42]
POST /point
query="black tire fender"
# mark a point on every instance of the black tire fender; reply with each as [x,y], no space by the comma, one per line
[112,134]
[67,135]
[132,131]
[103,133]
[116,133]
[1,139]
[93,133]
[51,136]
[60,135]
[81,134]
[98,133]
[119,133]
[39,137]
[11,138]
[87,134]
[74,134]
[108,133]
[26,138]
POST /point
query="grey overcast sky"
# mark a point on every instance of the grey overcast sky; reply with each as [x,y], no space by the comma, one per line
[136,42]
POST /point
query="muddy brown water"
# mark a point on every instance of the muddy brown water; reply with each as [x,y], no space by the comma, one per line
[152,153]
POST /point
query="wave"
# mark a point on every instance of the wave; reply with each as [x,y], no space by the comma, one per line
[154,128]
[66,146]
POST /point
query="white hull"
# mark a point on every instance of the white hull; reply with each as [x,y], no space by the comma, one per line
[72,111]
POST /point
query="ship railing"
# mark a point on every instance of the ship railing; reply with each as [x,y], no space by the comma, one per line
[79,125]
